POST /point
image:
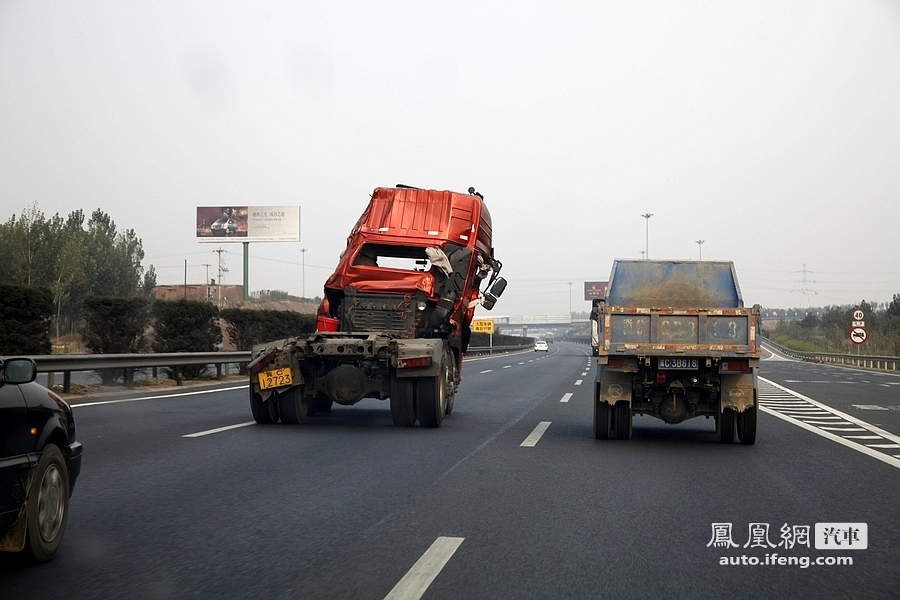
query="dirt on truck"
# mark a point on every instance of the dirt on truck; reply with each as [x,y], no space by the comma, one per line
[674,341]
[395,318]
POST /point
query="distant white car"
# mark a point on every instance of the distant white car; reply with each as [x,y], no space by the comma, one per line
[541,346]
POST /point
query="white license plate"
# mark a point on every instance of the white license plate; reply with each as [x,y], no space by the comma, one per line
[678,363]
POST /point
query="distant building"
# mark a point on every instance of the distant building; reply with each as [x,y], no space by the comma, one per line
[225,294]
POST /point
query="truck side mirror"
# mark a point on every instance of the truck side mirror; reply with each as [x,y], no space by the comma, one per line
[490,297]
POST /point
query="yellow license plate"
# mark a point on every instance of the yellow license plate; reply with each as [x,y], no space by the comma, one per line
[275,378]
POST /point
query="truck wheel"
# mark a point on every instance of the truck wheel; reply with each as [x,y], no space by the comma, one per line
[48,505]
[292,407]
[263,412]
[449,382]
[725,426]
[747,422]
[431,398]
[602,420]
[403,402]
[623,420]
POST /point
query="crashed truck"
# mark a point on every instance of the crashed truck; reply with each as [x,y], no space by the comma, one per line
[395,318]
[673,340]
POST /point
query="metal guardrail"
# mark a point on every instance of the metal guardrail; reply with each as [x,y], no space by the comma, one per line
[880,363]
[67,363]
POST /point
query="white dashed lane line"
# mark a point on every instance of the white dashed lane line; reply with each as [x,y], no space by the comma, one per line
[426,569]
[535,435]
[578,382]
[800,410]
[567,397]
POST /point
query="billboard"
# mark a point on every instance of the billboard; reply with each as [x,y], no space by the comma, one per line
[595,290]
[248,224]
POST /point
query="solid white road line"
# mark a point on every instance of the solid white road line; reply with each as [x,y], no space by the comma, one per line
[160,397]
[217,430]
[420,576]
[567,397]
[535,435]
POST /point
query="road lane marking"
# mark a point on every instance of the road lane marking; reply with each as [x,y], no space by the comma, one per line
[781,402]
[507,366]
[160,397]
[535,435]
[426,569]
[567,397]
[579,382]
[217,430]
[487,371]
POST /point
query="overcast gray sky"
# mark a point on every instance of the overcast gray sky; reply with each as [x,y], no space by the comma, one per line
[770,130]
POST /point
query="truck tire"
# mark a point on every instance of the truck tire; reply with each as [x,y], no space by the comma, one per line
[403,402]
[602,420]
[292,407]
[265,412]
[623,420]
[725,426]
[431,400]
[48,505]
[747,422]
[450,381]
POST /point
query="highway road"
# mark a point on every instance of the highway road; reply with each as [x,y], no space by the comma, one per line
[181,496]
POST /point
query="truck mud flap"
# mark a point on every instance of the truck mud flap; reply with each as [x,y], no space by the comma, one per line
[614,386]
[738,391]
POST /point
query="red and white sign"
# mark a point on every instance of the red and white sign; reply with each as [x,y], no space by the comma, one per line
[858,335]
[858,315]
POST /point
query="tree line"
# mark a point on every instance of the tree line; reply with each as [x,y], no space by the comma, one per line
[828,330]
[74,260]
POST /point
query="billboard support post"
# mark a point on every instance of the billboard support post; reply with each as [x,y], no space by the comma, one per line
[246,271]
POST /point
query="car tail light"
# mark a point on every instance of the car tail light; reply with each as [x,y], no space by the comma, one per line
[616,363]
[660,378]
[414,363]
[735,365]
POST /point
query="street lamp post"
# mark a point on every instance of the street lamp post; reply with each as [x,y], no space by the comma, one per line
[647,235]
[303,254]
[700,245]
[570,300]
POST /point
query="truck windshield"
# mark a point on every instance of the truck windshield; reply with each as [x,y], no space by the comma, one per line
[407,258]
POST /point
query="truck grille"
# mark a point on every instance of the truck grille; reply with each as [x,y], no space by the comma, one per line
[390,313]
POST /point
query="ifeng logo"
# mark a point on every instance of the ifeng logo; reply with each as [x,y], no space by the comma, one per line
[758,536]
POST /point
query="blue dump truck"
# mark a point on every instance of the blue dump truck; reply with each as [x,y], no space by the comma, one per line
[673,340]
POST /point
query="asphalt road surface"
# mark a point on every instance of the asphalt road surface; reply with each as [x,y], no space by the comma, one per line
[182,496]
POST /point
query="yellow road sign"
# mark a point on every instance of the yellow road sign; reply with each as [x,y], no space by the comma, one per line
[482,326]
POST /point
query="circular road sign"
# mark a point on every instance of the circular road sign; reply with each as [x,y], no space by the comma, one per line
[858,315]
[858,335]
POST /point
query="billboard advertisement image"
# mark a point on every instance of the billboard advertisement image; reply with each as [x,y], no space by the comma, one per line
[248,223]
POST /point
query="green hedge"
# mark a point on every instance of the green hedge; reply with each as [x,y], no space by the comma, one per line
[25,313]
[248,327]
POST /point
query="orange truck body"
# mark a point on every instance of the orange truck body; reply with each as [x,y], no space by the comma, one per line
[395,318]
